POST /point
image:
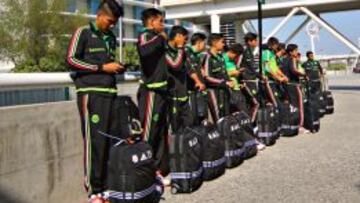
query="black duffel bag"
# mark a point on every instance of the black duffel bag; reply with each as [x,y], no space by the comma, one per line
[230,129]
[127,118]
[247,134]
[185,161]
[289,120]
[267,125]
[214,161]
[132,174]
[329,100]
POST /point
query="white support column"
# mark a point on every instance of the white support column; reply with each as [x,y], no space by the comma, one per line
[301,26]
[332,30]
[282,23]
[215,23]
[239,31]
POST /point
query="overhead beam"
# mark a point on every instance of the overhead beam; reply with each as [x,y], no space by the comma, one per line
[298,29]
[282,23]
[331,29]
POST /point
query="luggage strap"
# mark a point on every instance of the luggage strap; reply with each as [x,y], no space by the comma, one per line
[235,152]
[213,164]
[250,143]
[130,195]
[186,175]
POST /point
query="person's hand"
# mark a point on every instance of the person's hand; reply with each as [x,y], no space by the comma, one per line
[230,84]
[236,73]
[264,78]
[113,68]
[285,80]
[200,86]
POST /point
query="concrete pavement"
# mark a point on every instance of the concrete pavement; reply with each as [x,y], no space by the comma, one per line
[322,167]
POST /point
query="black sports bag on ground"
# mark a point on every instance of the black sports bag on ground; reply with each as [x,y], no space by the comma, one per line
[329,102]
[267,125]
[247,134]
[230,129]
[185,161]
[132,174]
[289,120]
[214,151]
[311,112]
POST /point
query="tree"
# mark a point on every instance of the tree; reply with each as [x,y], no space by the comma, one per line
[34,34]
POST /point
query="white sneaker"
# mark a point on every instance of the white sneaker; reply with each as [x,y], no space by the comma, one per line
[260,146]
[302,130]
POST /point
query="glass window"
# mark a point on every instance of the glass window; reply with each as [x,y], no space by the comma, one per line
[93,6]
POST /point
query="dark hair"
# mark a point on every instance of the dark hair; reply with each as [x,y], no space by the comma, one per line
[196,37]
[250,36]
[282,46]
[214,37]
[238,49]
[308,53]
[272,41]
[112,7]
[150,13]
[177,29]
[290,48]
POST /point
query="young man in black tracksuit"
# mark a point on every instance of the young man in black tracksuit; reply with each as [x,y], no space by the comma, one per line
[91,58]
[293,89]
[152,94]
[314,71]
[179,71]
[198,99]
[217,79]
[251,73]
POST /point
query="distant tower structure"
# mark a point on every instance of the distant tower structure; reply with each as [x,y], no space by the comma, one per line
[229,32]
[313,30]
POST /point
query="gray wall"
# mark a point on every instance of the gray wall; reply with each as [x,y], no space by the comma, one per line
[41,152]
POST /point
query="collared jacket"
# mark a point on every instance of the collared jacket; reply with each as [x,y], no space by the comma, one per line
[88,51]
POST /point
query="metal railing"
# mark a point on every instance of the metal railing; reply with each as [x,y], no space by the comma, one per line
[48,80]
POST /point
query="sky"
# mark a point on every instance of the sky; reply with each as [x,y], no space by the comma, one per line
[347,22]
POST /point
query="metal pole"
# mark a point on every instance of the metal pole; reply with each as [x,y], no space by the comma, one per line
[121,40]
[260,34]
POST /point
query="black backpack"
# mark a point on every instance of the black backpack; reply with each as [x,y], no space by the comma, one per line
[267,125]
[185,161]
[127,118]
[247,134]
[329,100]
[230,129]
[214,160]
[132,174]
[289,120]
